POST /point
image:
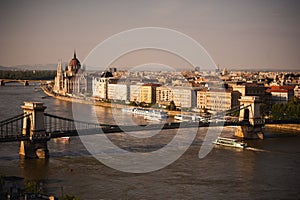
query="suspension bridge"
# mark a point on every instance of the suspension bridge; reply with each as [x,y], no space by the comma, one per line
[34,127]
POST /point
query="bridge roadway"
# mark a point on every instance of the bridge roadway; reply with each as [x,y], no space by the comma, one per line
[117,129]
[107,129]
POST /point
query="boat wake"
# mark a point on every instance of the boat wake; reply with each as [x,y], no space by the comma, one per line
[256,149]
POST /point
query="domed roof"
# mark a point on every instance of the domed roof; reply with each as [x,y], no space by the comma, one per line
[74,62]
[106,74]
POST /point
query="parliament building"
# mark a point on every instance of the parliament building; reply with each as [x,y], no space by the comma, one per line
[70,81]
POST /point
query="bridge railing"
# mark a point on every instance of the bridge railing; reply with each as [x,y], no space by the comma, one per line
[61,124]
[12,127]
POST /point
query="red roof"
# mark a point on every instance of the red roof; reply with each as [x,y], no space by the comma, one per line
[283,89]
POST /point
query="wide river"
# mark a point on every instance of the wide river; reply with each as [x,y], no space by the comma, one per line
[271,170]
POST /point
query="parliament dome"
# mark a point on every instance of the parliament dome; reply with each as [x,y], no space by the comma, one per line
[74,63]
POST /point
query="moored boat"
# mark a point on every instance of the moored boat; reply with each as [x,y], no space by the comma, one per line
[156,115]
[189,118]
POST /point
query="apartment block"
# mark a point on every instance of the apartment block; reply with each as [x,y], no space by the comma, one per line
[164,95]
[134,93]
[118,91]
[217,100]
[184,97]
[148,93]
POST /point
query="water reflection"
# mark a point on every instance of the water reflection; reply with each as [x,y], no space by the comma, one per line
[34,169]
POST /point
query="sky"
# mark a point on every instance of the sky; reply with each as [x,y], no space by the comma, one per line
[237,34]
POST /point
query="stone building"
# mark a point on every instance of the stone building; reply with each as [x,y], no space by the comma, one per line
[148,92]
[100,85]
[218,100]
[72,80]
[164,95]
[280,94]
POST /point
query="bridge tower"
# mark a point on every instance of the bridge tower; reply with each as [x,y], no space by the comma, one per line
[250,116]
[34,128]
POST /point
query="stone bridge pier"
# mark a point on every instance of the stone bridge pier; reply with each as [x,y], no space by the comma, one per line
[34,129]
[253,123]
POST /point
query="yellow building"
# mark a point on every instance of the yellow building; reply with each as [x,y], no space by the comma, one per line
[164,95]
[148,93]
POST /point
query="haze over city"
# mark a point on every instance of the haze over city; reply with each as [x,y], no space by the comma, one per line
[237,34]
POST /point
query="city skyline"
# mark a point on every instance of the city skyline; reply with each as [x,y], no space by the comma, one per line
[254,35]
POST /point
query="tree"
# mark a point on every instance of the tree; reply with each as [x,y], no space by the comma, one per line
[172,106]
[290,110]
[133,103]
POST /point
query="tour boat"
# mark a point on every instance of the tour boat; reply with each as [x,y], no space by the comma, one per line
[190,118]
[230,142]
[127,110]
[156,115]
[140,111]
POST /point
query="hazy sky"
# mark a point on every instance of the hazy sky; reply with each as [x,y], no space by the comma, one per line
[236,33]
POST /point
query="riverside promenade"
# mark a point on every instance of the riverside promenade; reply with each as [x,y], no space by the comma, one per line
[91,101]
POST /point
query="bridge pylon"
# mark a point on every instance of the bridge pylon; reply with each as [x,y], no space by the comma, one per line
[250,116]
[34,129]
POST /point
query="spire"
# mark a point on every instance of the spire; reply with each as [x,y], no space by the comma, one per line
[59,66]
[74,53]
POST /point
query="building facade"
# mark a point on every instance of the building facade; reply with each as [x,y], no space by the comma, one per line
[164,95]
[184,97]
[280,94]
[217,100]
[134,93]
[148,93]
[118,91]
[250,89]
[100,85]
[72,80]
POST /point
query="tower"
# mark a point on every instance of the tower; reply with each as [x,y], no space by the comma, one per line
[34,129]
[250,116]
[59,79]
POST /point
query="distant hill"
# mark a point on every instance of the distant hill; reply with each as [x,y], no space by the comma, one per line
[32,67]
[3,68]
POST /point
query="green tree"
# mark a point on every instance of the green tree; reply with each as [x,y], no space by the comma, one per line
[290,110]
[172,106]
[133,103]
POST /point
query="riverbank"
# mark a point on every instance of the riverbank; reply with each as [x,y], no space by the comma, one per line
[293,128]
[48,92]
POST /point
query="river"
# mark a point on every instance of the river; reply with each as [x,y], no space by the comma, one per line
[271,170]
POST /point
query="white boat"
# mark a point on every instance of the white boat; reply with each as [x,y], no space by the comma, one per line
[230,142]
[140,111]
[178,117]
[189,118]
[127,110]
[156,115]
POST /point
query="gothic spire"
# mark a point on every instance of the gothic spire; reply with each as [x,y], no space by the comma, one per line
[74,53]
[59,66]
